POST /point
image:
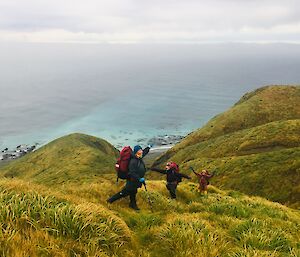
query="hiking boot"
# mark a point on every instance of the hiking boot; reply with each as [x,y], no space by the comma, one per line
[132,203]
[134,207]
[109,200]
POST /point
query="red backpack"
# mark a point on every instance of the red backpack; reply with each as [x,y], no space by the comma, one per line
[123,162]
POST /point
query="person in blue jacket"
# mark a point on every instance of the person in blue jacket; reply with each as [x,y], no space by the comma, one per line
[136,173]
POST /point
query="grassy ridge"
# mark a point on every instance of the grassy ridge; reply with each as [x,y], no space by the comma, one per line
[76,157]
[38,222]
[264,105]
[272,136]
[70,217]
[254,146]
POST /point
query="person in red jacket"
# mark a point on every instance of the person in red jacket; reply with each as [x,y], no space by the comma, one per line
[203,179]
[173,177]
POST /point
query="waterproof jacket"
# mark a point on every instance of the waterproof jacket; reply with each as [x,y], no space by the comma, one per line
[136,170]
[203,178]
[172,175]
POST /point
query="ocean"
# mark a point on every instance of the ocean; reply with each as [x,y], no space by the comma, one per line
[129,93]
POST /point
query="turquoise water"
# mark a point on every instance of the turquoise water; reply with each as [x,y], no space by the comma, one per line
[126,93]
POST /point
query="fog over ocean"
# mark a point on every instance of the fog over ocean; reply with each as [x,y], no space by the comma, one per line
[125,93]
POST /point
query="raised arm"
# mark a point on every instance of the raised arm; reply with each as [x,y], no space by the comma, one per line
[158,170]
[192,169]
[146,151]
[197,174]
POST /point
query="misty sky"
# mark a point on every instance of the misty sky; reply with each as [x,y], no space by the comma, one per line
[149,21]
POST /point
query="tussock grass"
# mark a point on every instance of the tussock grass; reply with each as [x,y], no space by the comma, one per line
[91,227]
[187,236]
[254,233]
[37,222]
[215,225]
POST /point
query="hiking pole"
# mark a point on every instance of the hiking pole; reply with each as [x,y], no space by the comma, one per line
[191,168]
[148,198]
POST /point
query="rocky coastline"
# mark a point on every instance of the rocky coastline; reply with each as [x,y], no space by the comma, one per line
[20,150]
[165,140]
[159,143]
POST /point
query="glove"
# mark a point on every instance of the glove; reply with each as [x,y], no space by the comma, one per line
[150,145]
[142,180]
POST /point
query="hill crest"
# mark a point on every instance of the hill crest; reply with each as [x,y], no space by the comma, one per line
[69,158]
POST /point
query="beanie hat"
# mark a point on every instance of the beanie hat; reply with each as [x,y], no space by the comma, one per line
[173,166]
[136,149]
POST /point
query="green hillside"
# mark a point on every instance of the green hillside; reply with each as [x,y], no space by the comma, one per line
[53,203]
[76,221]
[254,146]
[76,157]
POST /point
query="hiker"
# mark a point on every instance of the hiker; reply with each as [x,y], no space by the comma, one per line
[203,179]
[173,177]
[135,180]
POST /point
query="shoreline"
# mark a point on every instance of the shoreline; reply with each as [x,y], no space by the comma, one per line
[154,153]
[17,152]
[161,144]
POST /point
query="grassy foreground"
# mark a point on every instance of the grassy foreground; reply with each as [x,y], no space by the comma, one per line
[74,220]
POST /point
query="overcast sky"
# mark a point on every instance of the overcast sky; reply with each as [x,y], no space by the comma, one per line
[150,21]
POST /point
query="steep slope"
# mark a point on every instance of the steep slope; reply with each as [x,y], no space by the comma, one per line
[39,221]
[76,157]
[254,146]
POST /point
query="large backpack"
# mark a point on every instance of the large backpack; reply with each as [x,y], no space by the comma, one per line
[123,162]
